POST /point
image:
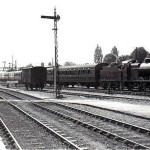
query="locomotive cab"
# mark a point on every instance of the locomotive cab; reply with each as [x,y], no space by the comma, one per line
[144,70]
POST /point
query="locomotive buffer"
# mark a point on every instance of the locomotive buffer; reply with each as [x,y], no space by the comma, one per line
[56,68]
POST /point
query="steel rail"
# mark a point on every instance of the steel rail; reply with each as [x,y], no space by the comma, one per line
[10,136]
[107,119]
[18,95]
[96,129]
[15,92]
[6,92]
[98,91]
[117,111]
[65,140]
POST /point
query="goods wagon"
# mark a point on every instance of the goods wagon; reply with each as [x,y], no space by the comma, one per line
[34,77]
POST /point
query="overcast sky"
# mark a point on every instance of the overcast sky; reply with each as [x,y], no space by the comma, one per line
[83,24]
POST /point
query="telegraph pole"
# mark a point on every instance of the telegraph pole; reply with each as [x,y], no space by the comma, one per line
[12,62]
[56,18]
[4,65]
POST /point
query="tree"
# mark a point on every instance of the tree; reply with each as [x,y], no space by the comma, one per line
[115,51]
[98,56]
[49,64]
[29,65]
[69,63]
[123,57]
[42,64]
[109,58]
[139,54]
[148,55]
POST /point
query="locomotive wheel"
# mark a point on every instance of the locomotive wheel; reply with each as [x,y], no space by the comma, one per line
[31,86]
[130,87]
[96,87]
[26,85]
[37,87]
[142,87]
[105,86]
[41,87]
[88,86]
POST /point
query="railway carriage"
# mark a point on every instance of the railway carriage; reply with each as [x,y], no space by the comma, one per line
[11,76]
[50,76]
[18,76]
[85,75]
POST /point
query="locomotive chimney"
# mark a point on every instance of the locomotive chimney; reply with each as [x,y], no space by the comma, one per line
[136,54]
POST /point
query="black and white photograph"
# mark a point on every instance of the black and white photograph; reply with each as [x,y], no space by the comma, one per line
[75,75]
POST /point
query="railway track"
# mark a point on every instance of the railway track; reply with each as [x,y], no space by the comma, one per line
[9,94]
[118,98]
[24,128]
[120,131]
[76,133]
[92,90]
[8,138]
[139,140]
[82,145]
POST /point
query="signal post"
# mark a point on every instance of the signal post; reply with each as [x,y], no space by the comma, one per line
[56,18]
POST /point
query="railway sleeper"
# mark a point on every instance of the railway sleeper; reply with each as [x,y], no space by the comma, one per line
[140,147]
[84,148]
[145,141]
[111,136]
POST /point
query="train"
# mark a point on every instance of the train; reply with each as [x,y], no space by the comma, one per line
[33,77]
[127,75]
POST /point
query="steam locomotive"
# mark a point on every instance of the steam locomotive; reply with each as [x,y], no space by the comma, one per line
[129,75]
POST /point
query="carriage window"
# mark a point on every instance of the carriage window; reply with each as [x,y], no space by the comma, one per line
[73,72]
[78,72]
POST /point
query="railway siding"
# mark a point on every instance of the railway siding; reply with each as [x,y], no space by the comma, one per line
[104,129]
